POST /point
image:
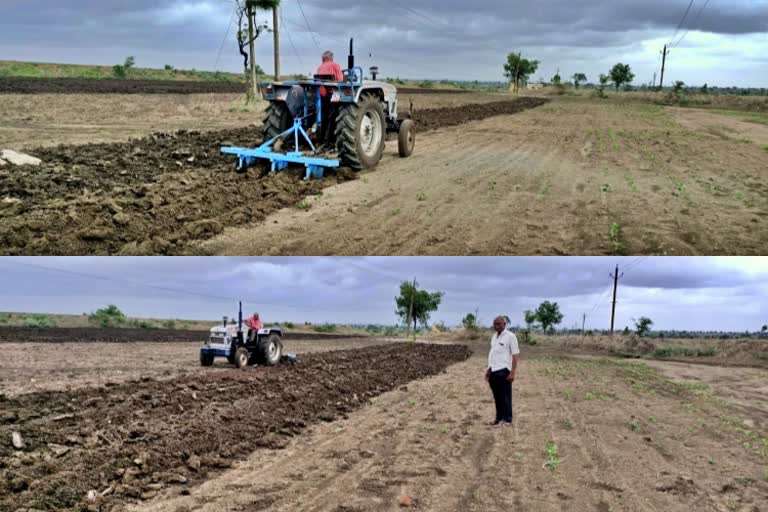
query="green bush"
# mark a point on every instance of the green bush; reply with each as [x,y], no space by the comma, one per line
[37,321]
[426,84]
[680,351]
[288,325]
[325,328]
[169,324]
[526,338]
[111,316]
[391,331]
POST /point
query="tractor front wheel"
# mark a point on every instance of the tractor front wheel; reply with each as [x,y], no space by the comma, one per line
[271,350]
[406,138]
[206,359]
[360,133]
[241,358]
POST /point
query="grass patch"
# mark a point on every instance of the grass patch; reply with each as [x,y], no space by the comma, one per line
[617,239]
[681,351]
[552,458]
[50,70]
[325,328]
[38,321]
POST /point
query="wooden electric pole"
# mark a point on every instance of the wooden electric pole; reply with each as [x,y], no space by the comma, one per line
[252,91]
[583,321]
[276,31]
[615,277]
[663,64]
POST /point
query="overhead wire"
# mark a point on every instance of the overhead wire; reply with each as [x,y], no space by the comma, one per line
[223,41]
[290,39]
[695,20]
[309,27]
[682,20]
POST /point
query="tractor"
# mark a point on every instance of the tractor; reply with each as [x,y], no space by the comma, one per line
[322,124]
[242,348]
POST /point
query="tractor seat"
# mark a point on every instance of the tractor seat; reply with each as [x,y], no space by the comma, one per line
[325,78]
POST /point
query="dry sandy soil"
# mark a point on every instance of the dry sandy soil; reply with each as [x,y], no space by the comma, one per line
[629,437]
[551,180]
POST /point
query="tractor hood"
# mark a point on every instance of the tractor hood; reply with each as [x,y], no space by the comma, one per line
[220,330]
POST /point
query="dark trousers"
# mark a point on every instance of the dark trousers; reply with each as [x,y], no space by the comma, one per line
[502,394]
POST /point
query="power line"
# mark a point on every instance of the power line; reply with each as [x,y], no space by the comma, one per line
[223,41]
[290,39]
[682,20]
[309,27]
[695,20]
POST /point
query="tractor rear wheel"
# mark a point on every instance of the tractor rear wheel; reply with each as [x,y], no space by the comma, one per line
[360,133]
[206,359]
[276,120]
[241,357]
[271,350]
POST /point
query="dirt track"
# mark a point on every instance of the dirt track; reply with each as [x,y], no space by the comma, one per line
[126,335]
[137,438]
[157,194]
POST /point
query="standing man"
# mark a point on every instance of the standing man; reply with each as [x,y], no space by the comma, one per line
[502,365]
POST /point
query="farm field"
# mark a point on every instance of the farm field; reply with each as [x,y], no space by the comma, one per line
[577,175]
[592,433]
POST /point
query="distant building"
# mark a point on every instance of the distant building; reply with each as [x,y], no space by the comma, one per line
[534,87]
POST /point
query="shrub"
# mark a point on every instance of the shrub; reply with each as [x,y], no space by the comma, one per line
[470,321]
[526,338]
[441,327]
[426,84]
[288,325]
[37,321]
[325,328]
[110,316]
[681,351]
[169,324]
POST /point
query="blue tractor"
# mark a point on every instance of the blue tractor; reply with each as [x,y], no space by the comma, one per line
[322,124]
[242,348]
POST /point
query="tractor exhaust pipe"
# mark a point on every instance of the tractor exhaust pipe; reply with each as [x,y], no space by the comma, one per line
[240,322]
[351,59]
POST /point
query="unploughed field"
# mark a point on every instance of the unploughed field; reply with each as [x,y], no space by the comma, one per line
[370,421]
[577,175]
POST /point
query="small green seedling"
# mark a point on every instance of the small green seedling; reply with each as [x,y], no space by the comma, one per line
[552,459]
[616,238]
[606,187]
[421,197]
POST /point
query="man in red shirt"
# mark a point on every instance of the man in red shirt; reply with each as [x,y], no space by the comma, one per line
[330,68]
[254,323]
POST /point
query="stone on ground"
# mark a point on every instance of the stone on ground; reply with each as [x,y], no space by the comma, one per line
[16,158]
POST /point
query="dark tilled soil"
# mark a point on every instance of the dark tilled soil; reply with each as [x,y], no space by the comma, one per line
[158,194]
[21,85]
[130,441]
[128,335]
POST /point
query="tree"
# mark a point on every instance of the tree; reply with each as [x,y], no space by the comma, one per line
[621,74]
[424,303]
[763,331]
[643,326]
[469,322]
[548,314]
[246,37]
[626,331]
[108,317]
[530,319]
[121,70]
[518,70]
[578,78]
[557,80]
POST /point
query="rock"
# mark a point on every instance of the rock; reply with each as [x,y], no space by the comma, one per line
[17,158]
[92,495]
[19,484]
[3,163]
[109,490]
[193,463]
[121,219]
[11,201]
[8,417]
[58,450]
[366,454]
[17,441]
[63,417]
[176,479]
[96,233]
[406,501]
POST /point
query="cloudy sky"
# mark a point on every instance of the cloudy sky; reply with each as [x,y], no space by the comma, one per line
[720,42]
[677,293]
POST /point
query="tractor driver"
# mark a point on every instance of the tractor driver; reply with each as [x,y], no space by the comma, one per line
[254,324]
[330,68]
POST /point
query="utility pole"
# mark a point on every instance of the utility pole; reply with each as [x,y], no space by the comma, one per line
[276,31]
[663,64]
[583,321]
[654,80]
[251,26]
[615,277]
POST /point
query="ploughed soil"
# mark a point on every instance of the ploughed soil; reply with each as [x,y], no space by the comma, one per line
[128,335]
[127,442]
[24,85]
[157,194]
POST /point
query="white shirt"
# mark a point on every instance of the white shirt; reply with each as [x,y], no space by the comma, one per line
[503,347]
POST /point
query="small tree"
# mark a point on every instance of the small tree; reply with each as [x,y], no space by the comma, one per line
[764,331]
[111,316]
[530,319]
[578,78]
[626,331]
[557,80]
[548,314]
[422,302]
[704,89]
[469,322]
[518,70]
[621,74]
[600,91]
[643,326]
